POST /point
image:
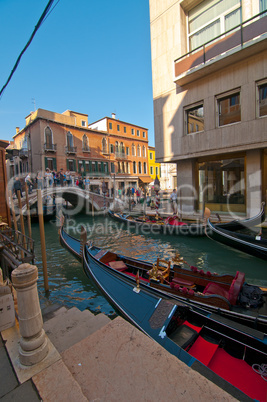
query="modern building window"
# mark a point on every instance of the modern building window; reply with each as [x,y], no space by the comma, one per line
[85,143]
[151,170]
[229,109]
[194,119]
[138,150]
[133,150]
[139,167]
[263,5]
[262,98]
[110,126]
[145,171]
[134,167]
[211,18]
[138,133]
[124,130]
[222,182]
[144,134]
[151,156]
[132,131]
[118,127]
[48,138]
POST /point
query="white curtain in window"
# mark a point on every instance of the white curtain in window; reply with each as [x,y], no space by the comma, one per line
[233,19]
[205,34]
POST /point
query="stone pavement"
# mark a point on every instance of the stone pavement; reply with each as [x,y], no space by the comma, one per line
[93,358]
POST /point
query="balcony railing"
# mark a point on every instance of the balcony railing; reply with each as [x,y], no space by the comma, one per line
[70,149]
[224,45]
[50,147]
[121,155]
[23,153]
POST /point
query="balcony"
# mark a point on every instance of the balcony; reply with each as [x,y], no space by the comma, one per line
[86,148]
[121,155]
[232,46]
[23,153]
[50,147]
[70,150]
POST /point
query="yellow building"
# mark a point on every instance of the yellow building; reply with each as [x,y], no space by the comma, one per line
[154,168]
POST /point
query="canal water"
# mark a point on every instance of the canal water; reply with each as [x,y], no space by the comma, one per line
[69,286]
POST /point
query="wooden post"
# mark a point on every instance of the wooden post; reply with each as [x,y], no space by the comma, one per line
[28,213]
[42,236]
[22,228]
[13,212]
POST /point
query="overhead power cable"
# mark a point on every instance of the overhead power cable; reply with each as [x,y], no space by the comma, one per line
[39,23]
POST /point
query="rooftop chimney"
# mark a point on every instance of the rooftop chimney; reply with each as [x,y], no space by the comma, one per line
[113,115]
[17,130]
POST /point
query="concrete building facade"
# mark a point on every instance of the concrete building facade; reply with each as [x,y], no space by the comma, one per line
[65,141]
[209,70]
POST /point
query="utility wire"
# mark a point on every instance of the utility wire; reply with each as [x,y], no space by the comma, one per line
[39,23]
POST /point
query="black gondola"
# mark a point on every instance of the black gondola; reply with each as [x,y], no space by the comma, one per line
[173,226]
[253,245]
[183,284]
[216,350]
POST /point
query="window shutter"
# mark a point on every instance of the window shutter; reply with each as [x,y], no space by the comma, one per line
[68,165]
[74,165]
[46,162]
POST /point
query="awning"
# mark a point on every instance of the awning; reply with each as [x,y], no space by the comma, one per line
[145,179]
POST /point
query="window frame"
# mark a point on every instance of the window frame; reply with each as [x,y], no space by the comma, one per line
[219,98]
[258,85]
[189,108]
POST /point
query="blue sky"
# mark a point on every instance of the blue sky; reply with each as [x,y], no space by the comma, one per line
[90,56]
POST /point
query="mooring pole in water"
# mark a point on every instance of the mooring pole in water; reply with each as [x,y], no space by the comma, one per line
[42,237]
[93,205]
[28,213]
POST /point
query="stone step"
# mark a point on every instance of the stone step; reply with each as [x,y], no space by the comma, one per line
[68,327]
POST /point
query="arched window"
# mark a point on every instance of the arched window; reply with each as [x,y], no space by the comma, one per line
[145,171]
[134,167]
[116,147]
[122,148]
[69,140]
[139,167]
[133,150]
[139,151]
[85,143]
[48,138]
[144,151]
[104,145]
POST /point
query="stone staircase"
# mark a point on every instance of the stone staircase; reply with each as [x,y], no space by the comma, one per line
[66,327]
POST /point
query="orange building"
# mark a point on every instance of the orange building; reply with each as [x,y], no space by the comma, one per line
[109,149]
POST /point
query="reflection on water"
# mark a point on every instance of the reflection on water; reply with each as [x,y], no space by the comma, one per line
[68,284]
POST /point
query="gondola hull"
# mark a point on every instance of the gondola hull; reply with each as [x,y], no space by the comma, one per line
[253,318]
[253,245]
[169,322]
